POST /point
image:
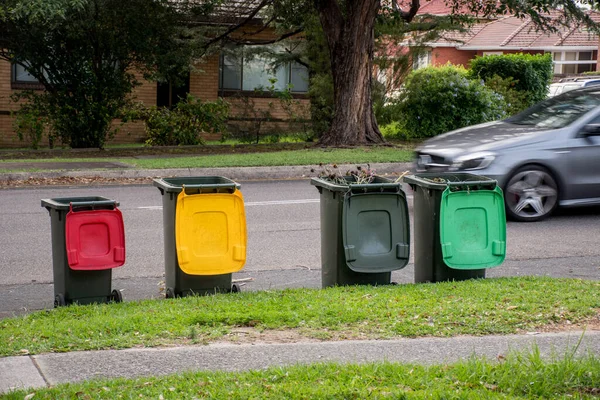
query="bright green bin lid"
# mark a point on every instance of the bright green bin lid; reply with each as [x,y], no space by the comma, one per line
[473,228]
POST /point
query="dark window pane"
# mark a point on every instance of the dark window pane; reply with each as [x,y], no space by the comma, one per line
[231,76]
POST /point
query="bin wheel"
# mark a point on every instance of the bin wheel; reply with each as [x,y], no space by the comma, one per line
[116,296]
[169,293]
[235,288]
[59,300]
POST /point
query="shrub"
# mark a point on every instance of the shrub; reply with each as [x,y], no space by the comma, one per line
[393,130]
[531,73]
[31,123]
[437,100]
[516,100]
[183,124]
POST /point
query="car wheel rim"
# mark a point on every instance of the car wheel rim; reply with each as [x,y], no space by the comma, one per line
[531,194]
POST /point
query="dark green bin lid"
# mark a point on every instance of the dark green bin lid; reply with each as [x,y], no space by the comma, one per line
[64,203]
[376,231]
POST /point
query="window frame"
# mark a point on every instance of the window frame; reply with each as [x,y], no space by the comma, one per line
[228,92]
[558,64]
[22,85]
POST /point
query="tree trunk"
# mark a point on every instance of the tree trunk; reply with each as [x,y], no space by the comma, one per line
[351,45]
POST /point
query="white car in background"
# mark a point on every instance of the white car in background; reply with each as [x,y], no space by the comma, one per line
[566,84]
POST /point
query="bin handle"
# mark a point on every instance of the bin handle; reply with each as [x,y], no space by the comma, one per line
[370,187]
[471,183]
[232,186]
[93,204]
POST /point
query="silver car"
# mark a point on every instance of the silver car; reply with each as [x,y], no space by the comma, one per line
[543,157]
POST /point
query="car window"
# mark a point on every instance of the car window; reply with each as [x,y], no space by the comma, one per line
[558,112]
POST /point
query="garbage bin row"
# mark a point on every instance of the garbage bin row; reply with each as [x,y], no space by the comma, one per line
[459,226]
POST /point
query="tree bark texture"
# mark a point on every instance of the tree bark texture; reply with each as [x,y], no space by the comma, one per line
[351,44]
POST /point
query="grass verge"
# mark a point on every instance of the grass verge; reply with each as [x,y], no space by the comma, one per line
[518,376]
[476,307]
[296,157]
[312,156]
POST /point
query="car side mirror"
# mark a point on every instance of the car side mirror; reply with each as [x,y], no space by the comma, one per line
[590,130]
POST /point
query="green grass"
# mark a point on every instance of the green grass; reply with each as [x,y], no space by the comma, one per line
[476,307]
[518,376]
[296,157]
[275,158]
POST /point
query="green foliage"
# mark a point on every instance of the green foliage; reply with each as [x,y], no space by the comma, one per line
[531,73]
[183,124]
[320,90]
[393,130]
[437,100]
[31,123]
[516,100]
[82,52]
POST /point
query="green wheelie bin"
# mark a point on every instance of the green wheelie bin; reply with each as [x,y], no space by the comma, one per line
[88,240]
[365,233]
[459,226]
[204,225]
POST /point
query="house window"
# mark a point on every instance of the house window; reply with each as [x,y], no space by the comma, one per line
[422,59]
[574,62]
[21,75]
[241,73]
[168,94]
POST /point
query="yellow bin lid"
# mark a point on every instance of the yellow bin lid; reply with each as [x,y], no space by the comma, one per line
[210,233]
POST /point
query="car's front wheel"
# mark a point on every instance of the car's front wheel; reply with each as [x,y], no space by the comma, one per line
[531,194]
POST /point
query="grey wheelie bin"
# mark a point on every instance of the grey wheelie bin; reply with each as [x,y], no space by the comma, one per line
[204,225]
[459,226]
[364,231]
[88,240]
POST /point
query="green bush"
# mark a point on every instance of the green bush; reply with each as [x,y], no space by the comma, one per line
[393,130]
[31,123]
[516,100]
[438,100]
[183,124]
[531,73]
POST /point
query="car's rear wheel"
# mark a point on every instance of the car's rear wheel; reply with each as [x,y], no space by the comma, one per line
[531,194]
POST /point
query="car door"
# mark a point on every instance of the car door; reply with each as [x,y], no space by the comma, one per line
[584,166]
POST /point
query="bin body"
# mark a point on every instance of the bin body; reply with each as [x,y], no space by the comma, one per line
[178,282]
[83,286]
[364,232]
[430,225]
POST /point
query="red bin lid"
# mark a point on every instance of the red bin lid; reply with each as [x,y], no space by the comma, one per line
[95,239]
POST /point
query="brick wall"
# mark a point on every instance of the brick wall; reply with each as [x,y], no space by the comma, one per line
[8,137]
[204,84]
[444,55]
[133,132]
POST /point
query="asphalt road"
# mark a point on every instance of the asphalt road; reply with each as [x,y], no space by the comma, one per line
[283,242]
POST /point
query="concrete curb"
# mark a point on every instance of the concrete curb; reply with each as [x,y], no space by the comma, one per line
[52,369]
[235,173]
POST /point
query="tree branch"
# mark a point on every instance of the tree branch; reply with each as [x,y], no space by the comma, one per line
[271,41]
[412,11]
[233,28]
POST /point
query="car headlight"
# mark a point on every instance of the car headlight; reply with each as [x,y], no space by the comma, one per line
[473,161]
